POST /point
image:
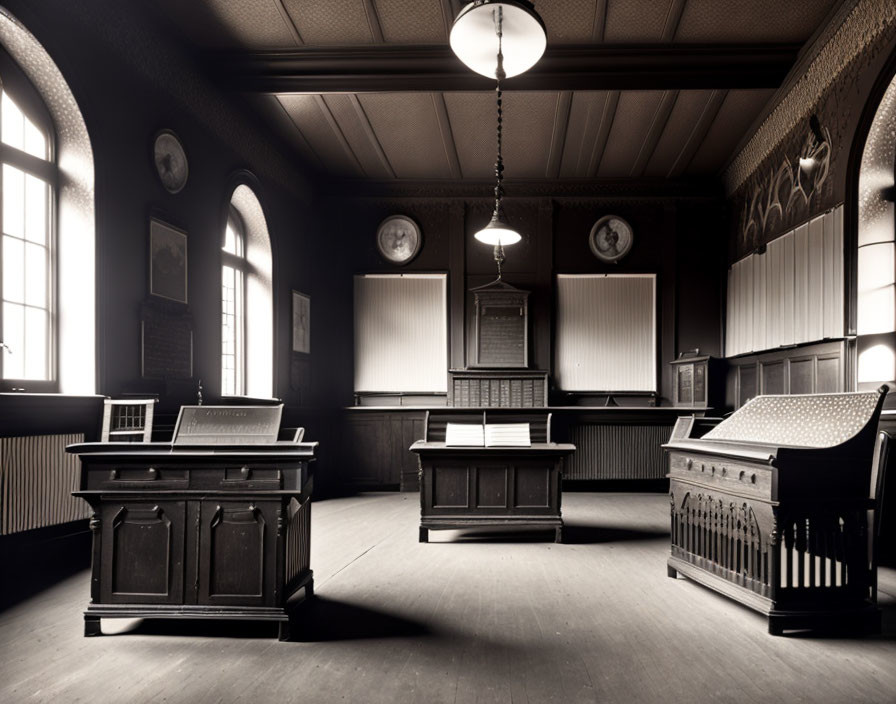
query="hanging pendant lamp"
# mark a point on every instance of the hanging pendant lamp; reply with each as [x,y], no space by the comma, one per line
[498,39]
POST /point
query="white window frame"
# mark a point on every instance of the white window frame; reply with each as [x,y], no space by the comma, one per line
[27,100]
[238,262]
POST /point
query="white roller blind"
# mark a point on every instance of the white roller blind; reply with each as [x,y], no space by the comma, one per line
[606,332]
[401,333]
[791,294]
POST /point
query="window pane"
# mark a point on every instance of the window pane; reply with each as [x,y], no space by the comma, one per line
[231,331]
[14,337]
[13,201]
[35,140]
[229,239]
[35,275]
[13,130]
[36,195]
[35,343]
[13,269]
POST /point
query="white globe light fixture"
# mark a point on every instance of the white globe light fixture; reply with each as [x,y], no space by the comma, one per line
[500,40]
[474,40]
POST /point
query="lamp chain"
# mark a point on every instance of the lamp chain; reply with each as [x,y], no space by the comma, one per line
[499,161]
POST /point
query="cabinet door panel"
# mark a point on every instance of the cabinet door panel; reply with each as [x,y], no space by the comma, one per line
[237,546]
[143,552]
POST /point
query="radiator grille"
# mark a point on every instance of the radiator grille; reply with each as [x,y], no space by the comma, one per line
[37,478]
[617,452]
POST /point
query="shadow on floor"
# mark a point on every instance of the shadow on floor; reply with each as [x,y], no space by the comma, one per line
[321,619]
[583,534]
[317,620]
[37,560]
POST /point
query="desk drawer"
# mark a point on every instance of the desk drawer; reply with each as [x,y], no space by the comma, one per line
[739,477]
[137,477]
[238,476]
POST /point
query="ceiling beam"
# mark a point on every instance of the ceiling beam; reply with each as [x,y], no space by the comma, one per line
[393,68]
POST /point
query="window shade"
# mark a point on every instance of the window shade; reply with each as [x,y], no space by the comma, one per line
[606,332]
[401,333]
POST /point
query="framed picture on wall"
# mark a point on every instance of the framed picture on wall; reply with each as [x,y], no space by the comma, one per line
[167,261]
[301,323]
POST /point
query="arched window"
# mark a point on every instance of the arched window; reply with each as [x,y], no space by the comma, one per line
[233,304]
[28,179]
[247,313]
[48,241]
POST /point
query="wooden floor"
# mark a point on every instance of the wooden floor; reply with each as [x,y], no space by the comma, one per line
[461,619]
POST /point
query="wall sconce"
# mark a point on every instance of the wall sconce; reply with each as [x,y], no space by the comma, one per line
[814,159]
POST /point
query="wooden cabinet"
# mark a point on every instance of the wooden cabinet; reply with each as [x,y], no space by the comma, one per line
[199,532]
[467,487]
[698,381]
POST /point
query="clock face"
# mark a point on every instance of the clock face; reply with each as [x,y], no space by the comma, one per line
[611,238]
[170,161]
[398,239]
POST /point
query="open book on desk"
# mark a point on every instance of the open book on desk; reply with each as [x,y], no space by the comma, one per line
[488,435]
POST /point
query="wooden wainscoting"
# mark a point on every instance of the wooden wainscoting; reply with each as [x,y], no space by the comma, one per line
[809,369]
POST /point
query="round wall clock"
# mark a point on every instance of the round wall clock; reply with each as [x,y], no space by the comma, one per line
[611,238]
[170,160]
[398,239]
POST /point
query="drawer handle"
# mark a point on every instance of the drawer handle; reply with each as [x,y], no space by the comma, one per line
[113,475]
[245,472]
[689,464]
[752,478]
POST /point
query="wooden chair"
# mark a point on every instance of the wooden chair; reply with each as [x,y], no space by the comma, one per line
[127,420]
[878,478]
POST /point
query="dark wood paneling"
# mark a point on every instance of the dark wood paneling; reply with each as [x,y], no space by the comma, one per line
[772,378]
[450,487]
[807,369]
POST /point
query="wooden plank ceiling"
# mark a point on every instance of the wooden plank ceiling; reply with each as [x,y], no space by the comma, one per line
[627,89]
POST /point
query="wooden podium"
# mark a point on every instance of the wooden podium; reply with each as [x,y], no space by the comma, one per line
[216,524]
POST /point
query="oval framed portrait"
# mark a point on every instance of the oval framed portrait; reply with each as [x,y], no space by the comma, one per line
[611,238]
[398,239]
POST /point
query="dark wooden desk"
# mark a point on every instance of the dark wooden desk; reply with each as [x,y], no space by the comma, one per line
[197,531]
[469,487]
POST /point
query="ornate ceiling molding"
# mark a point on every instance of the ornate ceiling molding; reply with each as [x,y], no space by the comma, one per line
[868,21]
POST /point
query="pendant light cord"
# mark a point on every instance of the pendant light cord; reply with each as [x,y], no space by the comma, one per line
[499,161]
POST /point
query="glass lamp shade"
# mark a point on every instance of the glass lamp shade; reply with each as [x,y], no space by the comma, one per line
[498,232]
[475,41]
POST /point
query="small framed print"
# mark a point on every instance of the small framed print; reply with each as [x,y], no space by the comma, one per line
[398,239]
[301,323]
[167,261]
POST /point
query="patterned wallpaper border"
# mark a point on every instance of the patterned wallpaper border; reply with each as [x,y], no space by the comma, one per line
[862,27]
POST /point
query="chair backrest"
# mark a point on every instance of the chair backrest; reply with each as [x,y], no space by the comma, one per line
[876,494]
[127,420]
[878,474]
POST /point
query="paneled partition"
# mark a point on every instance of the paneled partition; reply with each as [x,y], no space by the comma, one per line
[792,293]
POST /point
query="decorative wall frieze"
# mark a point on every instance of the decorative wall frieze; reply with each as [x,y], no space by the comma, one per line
[865,29]
[783,193]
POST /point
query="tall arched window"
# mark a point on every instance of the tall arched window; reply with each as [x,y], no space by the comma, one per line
[247,313]
[28,180]
[233,303]
[48,241]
